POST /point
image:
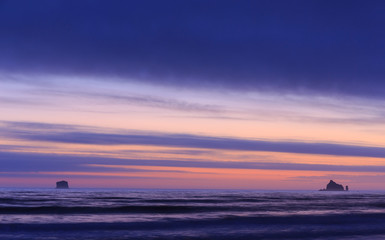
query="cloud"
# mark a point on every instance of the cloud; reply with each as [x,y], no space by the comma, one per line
[13,101]
[147,101]
[158,102]
[75,134]
[325,47]
[79,175]
[13,162]
[50,95]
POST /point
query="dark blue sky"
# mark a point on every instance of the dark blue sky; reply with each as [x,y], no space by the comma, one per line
[326,47]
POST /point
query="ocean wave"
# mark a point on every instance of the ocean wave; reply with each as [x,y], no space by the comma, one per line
[228,227]
[190,215]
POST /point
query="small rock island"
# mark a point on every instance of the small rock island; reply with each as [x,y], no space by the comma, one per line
[333,186]
[62,185]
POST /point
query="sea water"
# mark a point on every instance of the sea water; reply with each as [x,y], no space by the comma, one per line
[190,214]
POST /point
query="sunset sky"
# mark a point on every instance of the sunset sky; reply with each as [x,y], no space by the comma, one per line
[202,94]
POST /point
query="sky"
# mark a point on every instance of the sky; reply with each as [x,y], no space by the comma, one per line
[193,94]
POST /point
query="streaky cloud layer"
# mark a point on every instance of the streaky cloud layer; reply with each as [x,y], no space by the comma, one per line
[74,134]
[21,162]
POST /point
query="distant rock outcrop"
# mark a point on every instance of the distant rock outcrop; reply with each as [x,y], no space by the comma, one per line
[333,186]
[62,185]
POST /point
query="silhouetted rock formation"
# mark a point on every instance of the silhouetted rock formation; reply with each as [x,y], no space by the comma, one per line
[62,185]
[333,186]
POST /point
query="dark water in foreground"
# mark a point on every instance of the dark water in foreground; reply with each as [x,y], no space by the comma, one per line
[179,214]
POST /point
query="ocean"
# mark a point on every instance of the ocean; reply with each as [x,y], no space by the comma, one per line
[189,214]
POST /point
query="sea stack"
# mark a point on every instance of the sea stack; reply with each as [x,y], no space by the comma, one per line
[62,185]
[333,186]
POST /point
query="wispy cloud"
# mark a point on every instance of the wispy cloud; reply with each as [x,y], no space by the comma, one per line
[77,135]
[38,162]
[57,95]
[151,101]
